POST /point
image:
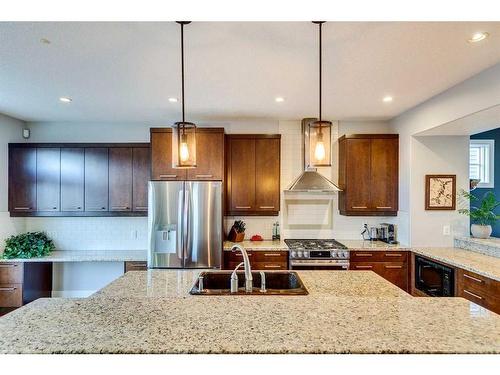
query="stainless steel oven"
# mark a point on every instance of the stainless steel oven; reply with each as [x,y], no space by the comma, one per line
[434,279]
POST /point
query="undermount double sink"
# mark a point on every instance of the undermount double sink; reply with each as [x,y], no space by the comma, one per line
[276,283]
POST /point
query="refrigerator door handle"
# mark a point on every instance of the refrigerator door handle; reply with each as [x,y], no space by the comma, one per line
[180,230]
[185,229]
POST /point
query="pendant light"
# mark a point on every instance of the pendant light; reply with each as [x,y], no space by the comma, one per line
[319,132]
[183,133]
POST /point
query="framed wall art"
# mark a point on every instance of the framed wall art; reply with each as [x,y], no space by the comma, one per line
[440,191]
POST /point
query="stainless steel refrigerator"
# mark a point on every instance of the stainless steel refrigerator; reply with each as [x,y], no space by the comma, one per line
[185,224]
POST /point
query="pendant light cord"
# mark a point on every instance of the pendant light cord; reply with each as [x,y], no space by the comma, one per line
[182,68]
[320,24]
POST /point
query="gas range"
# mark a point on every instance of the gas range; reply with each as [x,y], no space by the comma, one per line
[315,253]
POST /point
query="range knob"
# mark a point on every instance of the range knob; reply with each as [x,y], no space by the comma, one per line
[299,254]
[306,254]
[333,254]
[346,254]
[294,254]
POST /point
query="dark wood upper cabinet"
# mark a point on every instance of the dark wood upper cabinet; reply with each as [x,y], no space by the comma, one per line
[48,179]
[368,174]
[253,174]
[140,177]
[120,179]
[72,179]
[161,156]
[96,179]
[22,179]
[209,155]
[267,174]
[78,179]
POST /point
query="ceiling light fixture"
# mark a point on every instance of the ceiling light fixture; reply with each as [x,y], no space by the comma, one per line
[183,133]
[65,99]
[479,36]
[279,99]
[387,99]
[173,100]
[319,132]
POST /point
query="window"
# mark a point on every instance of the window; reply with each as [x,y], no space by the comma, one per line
[481,162]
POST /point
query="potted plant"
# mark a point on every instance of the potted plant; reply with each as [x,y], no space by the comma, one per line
[237,232]
[28,245]
[483,216]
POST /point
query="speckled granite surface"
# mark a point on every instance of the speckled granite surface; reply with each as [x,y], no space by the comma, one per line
[481,264]
[372,245]
[162,283]
[250,325]
[350,244]
[88,256]
[489,246]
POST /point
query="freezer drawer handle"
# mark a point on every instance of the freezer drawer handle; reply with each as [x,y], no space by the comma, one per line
[472,294]
[473,278]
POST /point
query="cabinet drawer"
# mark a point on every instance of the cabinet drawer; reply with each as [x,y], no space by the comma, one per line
[270,256]
[378,256]
[11,295]
[395,272]
[261,266]
[478,297]
[236,256]
[136,266]
[474,282]
[11,273]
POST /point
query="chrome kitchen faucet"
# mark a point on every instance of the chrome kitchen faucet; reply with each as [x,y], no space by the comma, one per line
[248,271]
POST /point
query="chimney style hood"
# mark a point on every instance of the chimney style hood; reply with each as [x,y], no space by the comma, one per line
[310,180]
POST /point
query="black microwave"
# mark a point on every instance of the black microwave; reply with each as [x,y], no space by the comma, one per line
[434,279]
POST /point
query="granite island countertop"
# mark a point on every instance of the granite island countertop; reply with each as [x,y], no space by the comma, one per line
[318,323]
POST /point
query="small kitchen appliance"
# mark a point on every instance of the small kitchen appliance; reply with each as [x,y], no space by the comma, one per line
[388,233]
[434,279]
[318,254]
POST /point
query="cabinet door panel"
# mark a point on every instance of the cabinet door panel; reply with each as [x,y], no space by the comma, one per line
[22,179]
[48,179]
[384,174]
[72,179]
[96,179]
[120,179]
[242,179]
[358,161]
[161,158]
[140,171]
[267,174]
[210,156]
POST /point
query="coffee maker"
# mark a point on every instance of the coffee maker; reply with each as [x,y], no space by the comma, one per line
[388,233]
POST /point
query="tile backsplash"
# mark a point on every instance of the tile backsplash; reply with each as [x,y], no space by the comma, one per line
[93,233]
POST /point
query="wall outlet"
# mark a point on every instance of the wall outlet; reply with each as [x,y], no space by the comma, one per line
[446,230]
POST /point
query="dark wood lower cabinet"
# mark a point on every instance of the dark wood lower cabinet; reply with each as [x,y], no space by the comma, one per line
[135,266]
[259,260]
[22,283]
[478,289]
[391,265]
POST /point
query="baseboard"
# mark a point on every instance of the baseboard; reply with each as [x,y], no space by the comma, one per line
[72,293]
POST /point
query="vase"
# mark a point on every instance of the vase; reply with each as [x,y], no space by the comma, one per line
[480,231]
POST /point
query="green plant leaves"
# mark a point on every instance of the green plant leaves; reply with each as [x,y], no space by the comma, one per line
[483,214]
[28,245]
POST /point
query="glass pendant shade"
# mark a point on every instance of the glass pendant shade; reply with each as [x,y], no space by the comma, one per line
[319,144]
[184,145]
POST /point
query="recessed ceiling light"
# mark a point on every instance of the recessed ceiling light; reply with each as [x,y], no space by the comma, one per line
[44,41]
[173,100]
[479,36]
[279,99]
[387,99]
[65,99]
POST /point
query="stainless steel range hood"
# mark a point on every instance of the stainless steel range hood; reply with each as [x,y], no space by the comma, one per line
[310,181]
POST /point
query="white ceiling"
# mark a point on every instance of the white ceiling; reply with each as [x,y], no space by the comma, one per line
[127,71]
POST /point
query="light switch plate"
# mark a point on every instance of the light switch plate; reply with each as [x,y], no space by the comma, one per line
[446,230]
